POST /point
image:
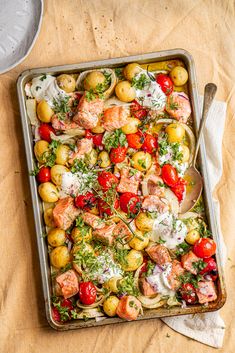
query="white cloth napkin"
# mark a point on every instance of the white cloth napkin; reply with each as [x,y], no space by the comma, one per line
[208,328]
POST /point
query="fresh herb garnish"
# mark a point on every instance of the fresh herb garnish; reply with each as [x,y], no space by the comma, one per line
[161,241]
[61,107]
[171,104]
[199,207]
[188,277]
[63,310]
[119,73]
[38,87]
[90,95]
[43,77]
[142,163]
[182,249]
[150,268]
[140,82]
[35,171]
[199,265]
[49,156]
[114,139]
[127,285]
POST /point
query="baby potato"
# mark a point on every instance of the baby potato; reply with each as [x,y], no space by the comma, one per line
[48,192]
[79,235]
[98,129]
[62,154]
[134,260]
[143,222]
[48,218]
[110,305]
[60,257]
[124,91]
[92,157]
[131,70]
[40,148]
[56,173]
[192,237]
[44,111]
[179,75]
[56,237]
[66,83]
[112,284]
[139,243]
[156,128]
[141,161]
[93,79]
[185,153]
[132,126]
[103,159]
[175,132]
[87,248]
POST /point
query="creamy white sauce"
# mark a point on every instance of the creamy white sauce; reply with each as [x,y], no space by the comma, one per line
[45,87]
[171,230]
[159,281]
[107,270]
[76,183]
[151,96]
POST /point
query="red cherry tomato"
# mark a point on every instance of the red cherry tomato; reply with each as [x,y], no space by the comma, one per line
[104,207]
[144,266]
[55,314]
[204,247]
[87,293]
[107,180]
[135,140]
[138,111]
[85,202]
[117,155]
[44,175]
[179,189]
[188,293]
[169,175]
[97,138]
[88,134]
[65,303]
[165,82]
[150,144]
[129,202]
[44,131]
[211,265]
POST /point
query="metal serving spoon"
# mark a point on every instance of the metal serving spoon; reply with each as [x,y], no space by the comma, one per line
[192,175]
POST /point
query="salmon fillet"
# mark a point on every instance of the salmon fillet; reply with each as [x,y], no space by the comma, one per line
[93,221]
[65,213]
[68,283]
[159,254]
[146,288]
[63,125]
[84,146]
[154,203]
[121,231]
[129,308]
[129,183]
[178,106]
[88,112]
[206,292]
[176,271]
[105,234]
[115,118]
[187,261]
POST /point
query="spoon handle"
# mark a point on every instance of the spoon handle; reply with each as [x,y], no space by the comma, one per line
[209,94]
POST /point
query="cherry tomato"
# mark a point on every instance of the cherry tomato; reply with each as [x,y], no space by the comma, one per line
[165,82]
[144,266]
[85,202]
[150,144]
[117,155]
[138,111]
[135,140]
[169,175]
[44,131]
[78,96]
[88,134]
[97,138]
[204,247]
[87,293]
[104,207]
[107,180]
[129,202]
[44,175]
[188,293]
[211,265]
[179,189]
[65,303]
[55,314]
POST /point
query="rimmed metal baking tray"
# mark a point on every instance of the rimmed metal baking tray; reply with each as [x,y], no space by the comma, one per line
[25,77]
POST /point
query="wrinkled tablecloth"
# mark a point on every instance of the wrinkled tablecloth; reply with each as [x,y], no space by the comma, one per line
[76,31]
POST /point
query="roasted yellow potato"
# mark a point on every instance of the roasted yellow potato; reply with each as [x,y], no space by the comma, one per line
[131,70]
[79,235]
[56,173]
[56,237]
[98,129]
[143,222]
[139,243]
[48,218]
[103,159]
[48,192]
[110,305]
[179,75]
[92,157]
[141,161]
[86,247]
[132,126]
[112,284]
[62,154]
[192,236]
[93,79]
[134,260]
[185,154]
[44,111]
[175,132]
[60,257]
[40,148]
[125,92]
[66,83]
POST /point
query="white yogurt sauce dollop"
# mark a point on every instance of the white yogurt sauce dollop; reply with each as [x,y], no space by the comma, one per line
[159,280]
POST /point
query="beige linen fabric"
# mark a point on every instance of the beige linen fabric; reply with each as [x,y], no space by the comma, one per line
[76,31]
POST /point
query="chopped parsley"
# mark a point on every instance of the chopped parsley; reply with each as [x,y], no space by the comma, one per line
[114,139]
[35,171]
[119,73]
[90,95]
[161,241]
[199,207]
[140,82]
[120,256]
[49,156]
[188,277]
[171,104]
[61,107]
[63,310]
[199,265]
[182,249]
[43,77]
[38,87]
[150,268]
[127,285]
[142,163]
